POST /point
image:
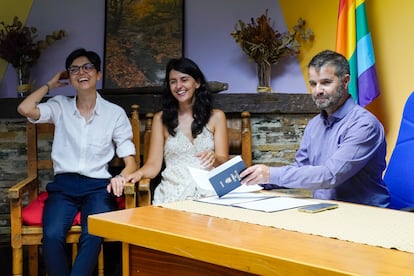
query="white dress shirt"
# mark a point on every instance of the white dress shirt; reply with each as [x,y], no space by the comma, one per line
[86,147]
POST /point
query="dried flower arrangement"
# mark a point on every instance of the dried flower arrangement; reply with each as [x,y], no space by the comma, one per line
[17,45]
[262,43]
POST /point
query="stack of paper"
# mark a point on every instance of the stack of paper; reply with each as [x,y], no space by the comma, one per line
[274,204]
[225,181]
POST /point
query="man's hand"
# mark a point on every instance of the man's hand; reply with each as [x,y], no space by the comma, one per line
[256,174]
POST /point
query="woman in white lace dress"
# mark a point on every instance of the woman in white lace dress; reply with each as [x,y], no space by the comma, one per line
[187,132]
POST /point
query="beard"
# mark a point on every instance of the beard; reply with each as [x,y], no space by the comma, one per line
[329,102]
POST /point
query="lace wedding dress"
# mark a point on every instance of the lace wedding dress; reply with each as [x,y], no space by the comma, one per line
[179,153]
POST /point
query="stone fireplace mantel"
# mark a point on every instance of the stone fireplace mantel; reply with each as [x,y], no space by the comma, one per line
[149,100]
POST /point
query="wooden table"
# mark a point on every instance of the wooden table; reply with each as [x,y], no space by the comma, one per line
[170,242]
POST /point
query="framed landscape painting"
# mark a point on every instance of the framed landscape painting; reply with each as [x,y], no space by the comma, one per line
[141,36]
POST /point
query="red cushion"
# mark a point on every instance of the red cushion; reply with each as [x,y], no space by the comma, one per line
[32,213]
[120,202]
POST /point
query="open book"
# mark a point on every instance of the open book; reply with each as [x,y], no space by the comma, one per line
[223,178]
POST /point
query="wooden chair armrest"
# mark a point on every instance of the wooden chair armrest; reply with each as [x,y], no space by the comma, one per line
[130,188]
[28,184]
[130,195]
[144,189]
[144,193]
[144,185]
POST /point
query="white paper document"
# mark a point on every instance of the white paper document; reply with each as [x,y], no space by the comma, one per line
[234,197]
[201,178]
[274,204]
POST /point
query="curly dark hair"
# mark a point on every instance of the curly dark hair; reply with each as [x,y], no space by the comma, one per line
[202,105]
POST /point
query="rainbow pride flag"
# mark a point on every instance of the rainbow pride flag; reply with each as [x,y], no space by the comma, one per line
[353,40]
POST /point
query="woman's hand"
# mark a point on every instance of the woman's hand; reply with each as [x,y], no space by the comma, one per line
[134,177]
[207,158]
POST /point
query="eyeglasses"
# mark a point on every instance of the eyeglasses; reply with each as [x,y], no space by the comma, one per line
[87,67]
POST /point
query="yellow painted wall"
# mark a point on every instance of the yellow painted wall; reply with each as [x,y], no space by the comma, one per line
[391,27]
[9,9]
[320,16]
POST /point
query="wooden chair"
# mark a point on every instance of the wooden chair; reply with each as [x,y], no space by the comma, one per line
[240,143]
[27,190]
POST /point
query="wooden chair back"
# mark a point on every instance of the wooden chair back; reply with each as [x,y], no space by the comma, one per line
[240,143]
[240,137]
[39,171]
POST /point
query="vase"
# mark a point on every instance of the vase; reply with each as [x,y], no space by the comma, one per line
[24,86]
[263,75]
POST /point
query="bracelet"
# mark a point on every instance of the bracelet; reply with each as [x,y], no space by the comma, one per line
[48,88]
[118,175]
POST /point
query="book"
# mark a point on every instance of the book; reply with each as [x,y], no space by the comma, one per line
[224,178]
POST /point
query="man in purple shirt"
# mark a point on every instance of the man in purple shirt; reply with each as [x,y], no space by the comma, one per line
[342,153]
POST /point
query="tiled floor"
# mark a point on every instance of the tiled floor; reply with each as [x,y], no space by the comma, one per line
[112,252]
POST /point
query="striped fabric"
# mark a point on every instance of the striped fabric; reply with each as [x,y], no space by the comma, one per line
[353,40]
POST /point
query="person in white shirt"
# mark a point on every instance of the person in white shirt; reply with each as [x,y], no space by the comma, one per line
[88,131]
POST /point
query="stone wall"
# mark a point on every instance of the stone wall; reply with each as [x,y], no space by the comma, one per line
[275,139]
[12,163]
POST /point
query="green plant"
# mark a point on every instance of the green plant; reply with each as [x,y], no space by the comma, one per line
[262,43]
[18,46]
